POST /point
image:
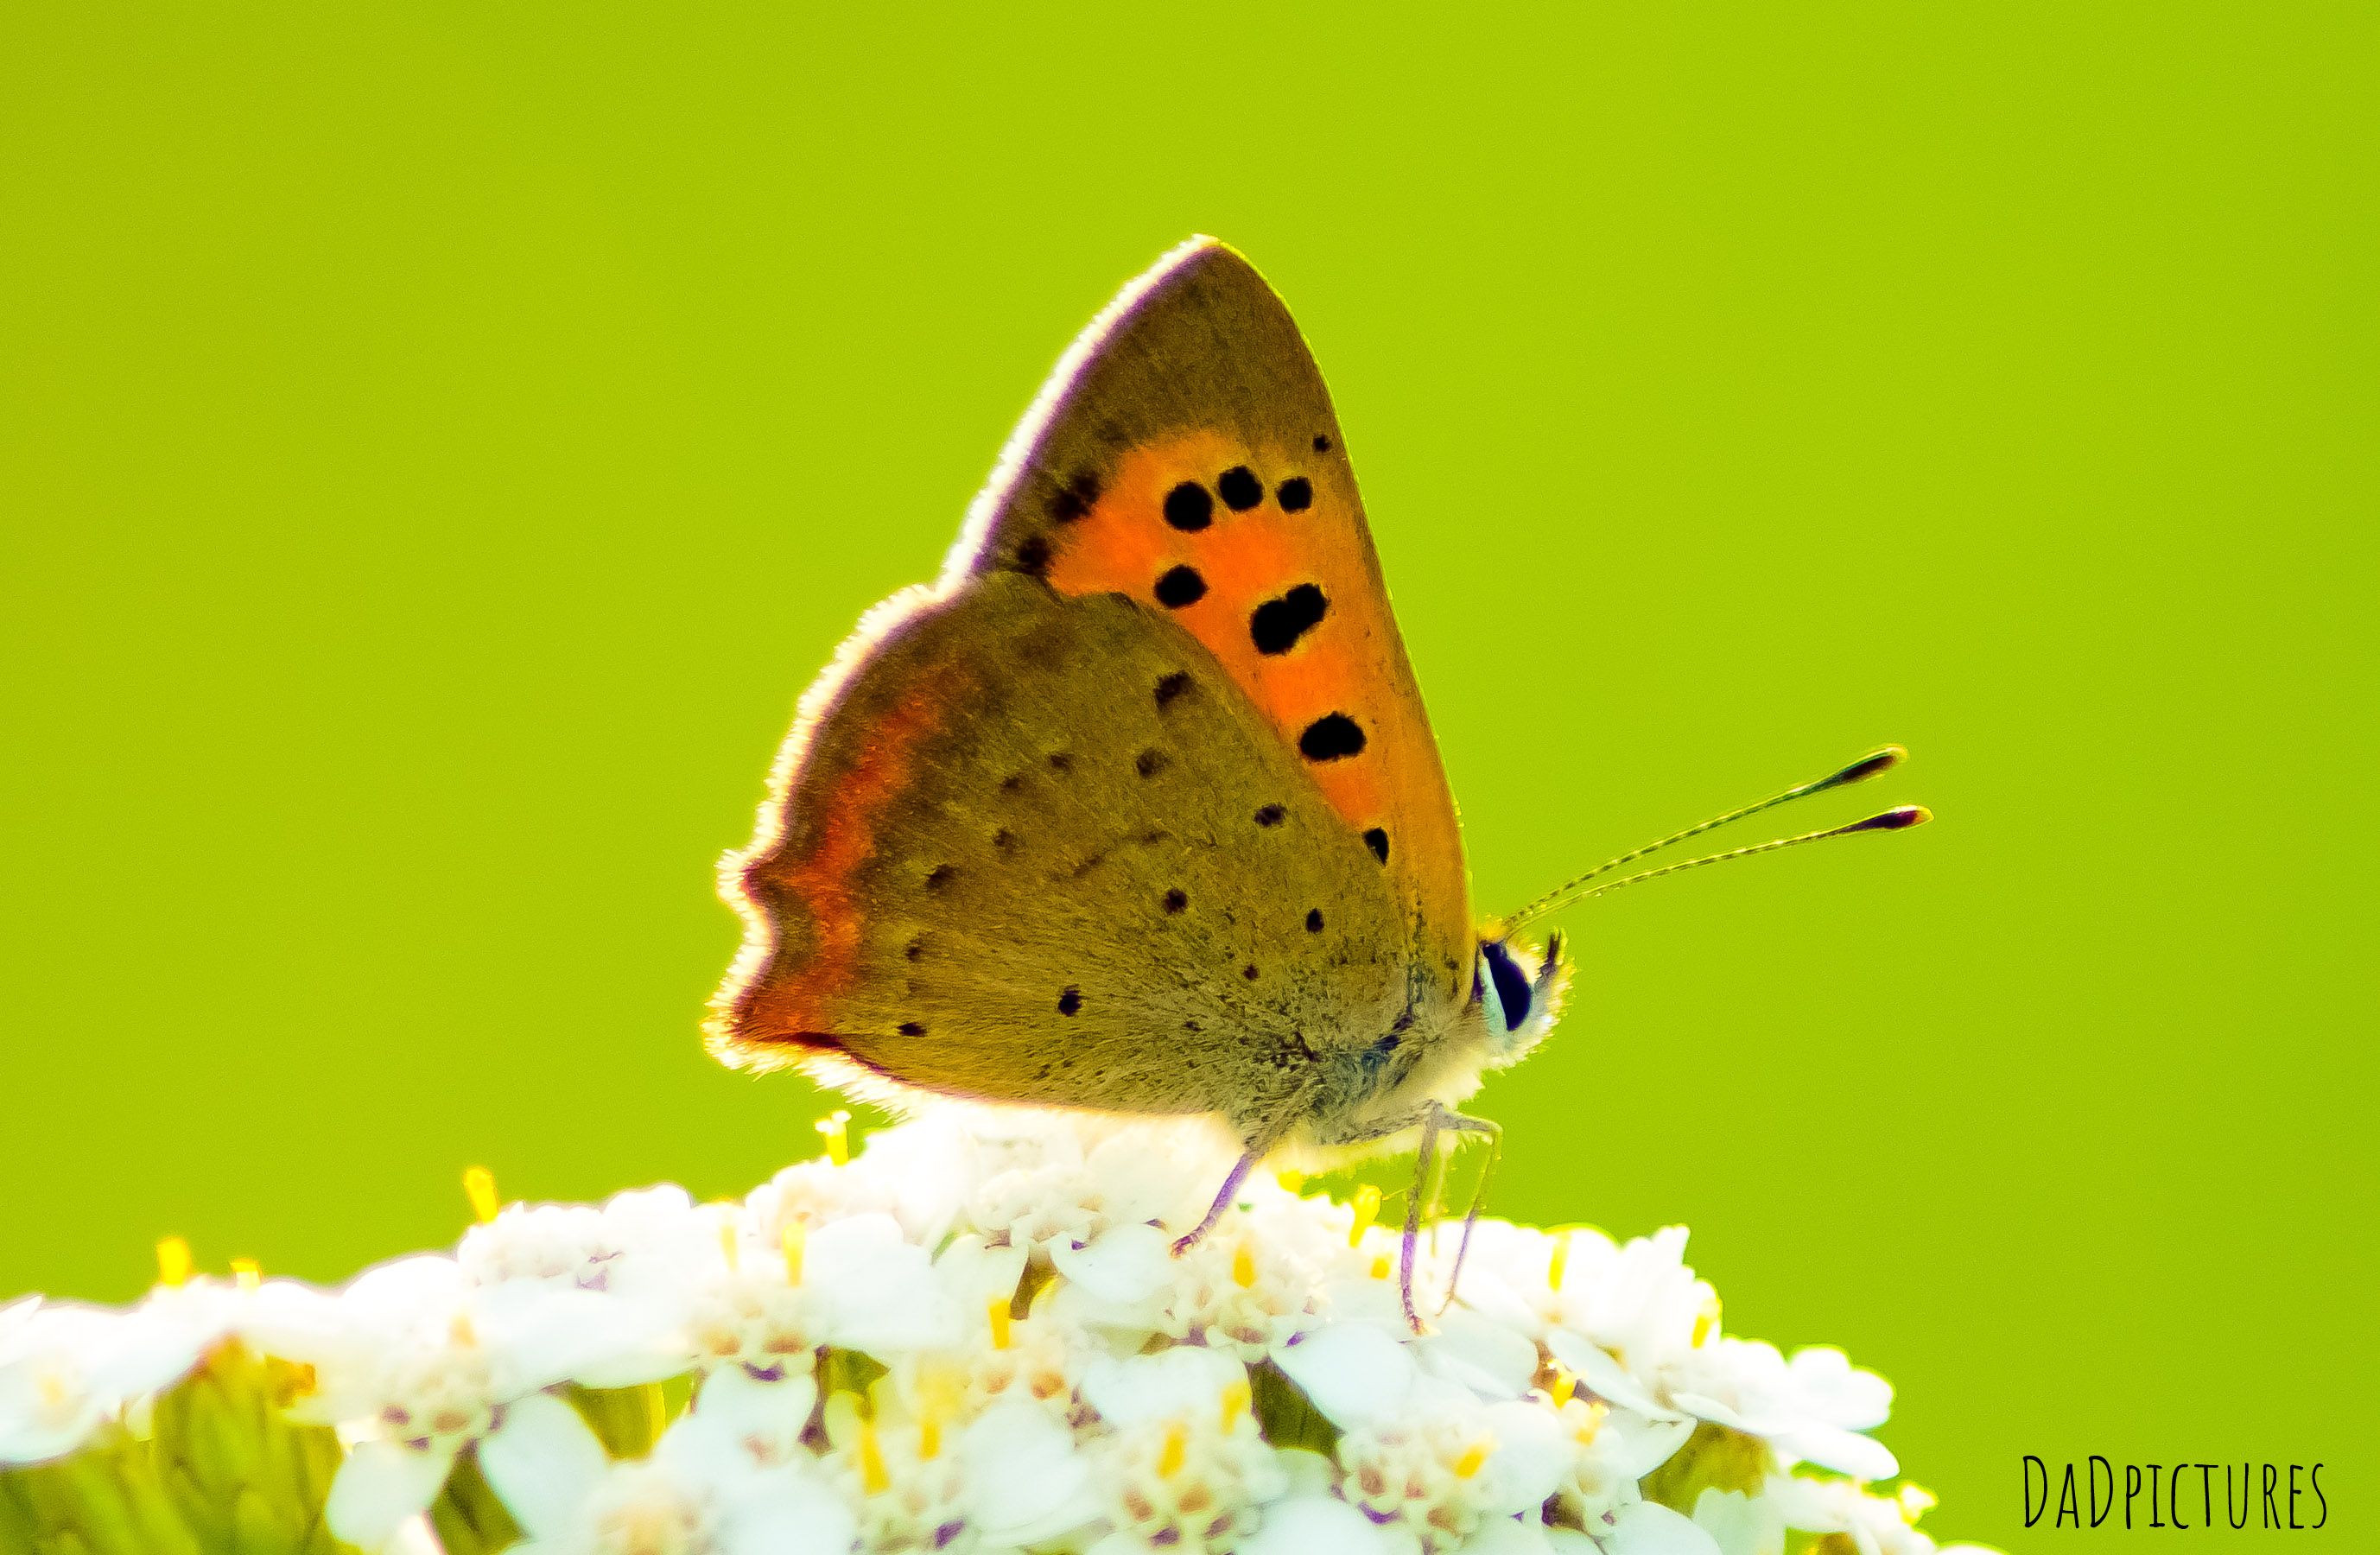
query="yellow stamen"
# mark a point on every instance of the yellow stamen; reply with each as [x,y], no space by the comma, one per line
[1379,1266]
[1366,1206]
[1586,1434]
[729,1248]
[1235,1404]
[997,1310]
[836,1129]
[1175,1451]
[1559,1264]
[172,1261]
[1244,1267]
[459,1328]
[1474,1459]
[1565,1386]
[479,1187]
[1705,1322]
[295,1383]
[937,1397]
[247,1272]
[1292,1179]
[874,1477]
[789,1244]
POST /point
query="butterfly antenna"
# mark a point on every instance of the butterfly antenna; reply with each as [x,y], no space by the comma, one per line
[1866,767]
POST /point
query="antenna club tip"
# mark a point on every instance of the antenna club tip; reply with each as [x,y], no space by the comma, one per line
[1875,761]
[1903,815]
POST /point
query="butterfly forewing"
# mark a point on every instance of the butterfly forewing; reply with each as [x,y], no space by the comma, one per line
[1185,455]
[1041,848]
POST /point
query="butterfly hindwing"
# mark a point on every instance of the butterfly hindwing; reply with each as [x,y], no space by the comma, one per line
[1185,455]
[1040,849]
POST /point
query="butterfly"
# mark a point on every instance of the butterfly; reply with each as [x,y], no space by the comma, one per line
[1137,808]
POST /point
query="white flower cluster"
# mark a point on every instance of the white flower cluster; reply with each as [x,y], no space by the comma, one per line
[975,1338]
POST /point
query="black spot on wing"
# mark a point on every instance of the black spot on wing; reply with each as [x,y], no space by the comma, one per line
[1070,1002]
[1331,737]
[1179,587]
[1150,762]
[1270,815]
[1377,839]
[1313,920]
[1276,625]
[1176,899]
[911,1028]
[939,878]
[1239,488]
[1295,494]
[1189,507]
[1321,444]
[1072,500]
[1033,556]
[1169,686]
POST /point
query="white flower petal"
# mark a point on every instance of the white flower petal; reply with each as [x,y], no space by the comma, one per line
[1740,1525]
[1026,1483]
[540,1335]
[1508,1535]
[739,1418]
[1351,1372]
[976,1274]
[1532,1451]
[1603,1375]
[542,1462]
[397,1291]
[1650,1528]
[1638,1445]
[1127,1263]
[1844,1451]
[378,1487]
[34,1429]
[1489,1359]
[790,1514]
[1829,1387]
[1310,1523]
[1184,1380]
[875,1291]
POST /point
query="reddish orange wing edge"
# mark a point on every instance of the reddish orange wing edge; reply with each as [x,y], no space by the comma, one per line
[723,1033]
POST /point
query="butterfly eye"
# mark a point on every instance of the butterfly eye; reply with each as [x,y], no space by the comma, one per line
[1498,983]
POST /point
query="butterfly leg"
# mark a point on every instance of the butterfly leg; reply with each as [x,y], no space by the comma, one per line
[1230,1191]
[1432,1120]
[1494,1133]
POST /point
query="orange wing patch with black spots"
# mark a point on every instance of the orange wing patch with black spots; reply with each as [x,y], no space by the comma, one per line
[1236,546]
[1185,454]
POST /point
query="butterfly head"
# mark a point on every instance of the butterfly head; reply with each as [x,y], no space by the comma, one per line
[1519,990]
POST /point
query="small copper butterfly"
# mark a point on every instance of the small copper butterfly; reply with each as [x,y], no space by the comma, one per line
[1136,808]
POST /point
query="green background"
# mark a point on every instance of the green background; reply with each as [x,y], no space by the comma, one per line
[438,444]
